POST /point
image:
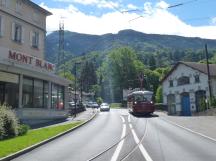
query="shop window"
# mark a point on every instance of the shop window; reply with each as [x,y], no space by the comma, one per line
[54,95]
[9,94]
[38,94]
[183,80]
[60,98]
[45,95]
[57,96]
[35,39]
[28,92]
[12,94]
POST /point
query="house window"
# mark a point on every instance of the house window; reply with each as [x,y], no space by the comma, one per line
[3,3]
[35,39]
[171,83]
[183,80]
[197,78]
[18,6]
[17,34]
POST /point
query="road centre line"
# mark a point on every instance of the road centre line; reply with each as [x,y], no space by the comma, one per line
[120,144]
[141,147]
[123,120]
[187,129]
[129,118]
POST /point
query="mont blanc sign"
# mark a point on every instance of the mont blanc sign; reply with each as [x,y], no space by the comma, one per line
[26,60]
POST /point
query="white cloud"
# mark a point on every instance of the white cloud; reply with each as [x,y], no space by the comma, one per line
[155,21]
[97,3]
[213,21]
[131,6]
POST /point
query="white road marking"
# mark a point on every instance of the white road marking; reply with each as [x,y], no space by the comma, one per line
[194,132]
[123,120]
[119,147]
[141,147]
[129,118]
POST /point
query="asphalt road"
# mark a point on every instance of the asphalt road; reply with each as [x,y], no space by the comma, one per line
[117,135]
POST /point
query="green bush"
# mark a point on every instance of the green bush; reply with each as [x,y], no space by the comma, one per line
[203,105]
[9,124]
[159,95]
[99,100]
[213,101]
[1,128]
[23,129]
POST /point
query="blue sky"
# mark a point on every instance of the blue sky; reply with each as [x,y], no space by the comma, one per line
[194,18]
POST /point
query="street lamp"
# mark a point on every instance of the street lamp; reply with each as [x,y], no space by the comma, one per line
[76,63]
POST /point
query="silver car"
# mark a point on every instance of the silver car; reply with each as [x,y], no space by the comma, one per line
[104,107]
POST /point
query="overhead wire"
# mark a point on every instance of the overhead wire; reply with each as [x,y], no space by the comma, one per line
[169,7]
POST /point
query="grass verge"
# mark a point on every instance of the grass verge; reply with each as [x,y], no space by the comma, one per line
[115,105]
[16,144]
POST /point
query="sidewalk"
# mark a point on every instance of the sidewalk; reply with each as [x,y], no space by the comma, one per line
[205,125]
[82,116]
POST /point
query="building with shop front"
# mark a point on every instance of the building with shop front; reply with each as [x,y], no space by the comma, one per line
[185,87]
[27,82]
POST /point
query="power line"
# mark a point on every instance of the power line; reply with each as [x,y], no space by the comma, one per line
[169,7]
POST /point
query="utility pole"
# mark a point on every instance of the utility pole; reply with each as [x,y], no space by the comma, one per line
[75,88]
[208,70]
[61,55]
[141,78]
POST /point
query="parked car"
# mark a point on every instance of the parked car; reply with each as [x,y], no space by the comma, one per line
[89,104]
[95,105]
[104,107]
[72,104]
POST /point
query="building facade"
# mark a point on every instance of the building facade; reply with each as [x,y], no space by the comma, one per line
[27,82]
[186,88]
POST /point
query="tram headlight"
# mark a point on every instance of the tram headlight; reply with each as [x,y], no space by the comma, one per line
[135,102]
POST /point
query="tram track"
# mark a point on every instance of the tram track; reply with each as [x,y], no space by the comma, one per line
[118,142]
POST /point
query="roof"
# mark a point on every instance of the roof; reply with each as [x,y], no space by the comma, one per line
[47,13]
[196,66]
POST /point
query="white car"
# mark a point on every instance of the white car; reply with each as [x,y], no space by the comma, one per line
[104,107]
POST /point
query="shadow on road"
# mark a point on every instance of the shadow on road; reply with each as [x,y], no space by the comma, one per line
[144,115]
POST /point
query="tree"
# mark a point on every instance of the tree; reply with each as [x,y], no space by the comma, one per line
[120,71]
[159,95]
[152,62]
[88,76]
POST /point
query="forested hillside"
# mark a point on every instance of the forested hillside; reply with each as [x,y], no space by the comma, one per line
[113,62]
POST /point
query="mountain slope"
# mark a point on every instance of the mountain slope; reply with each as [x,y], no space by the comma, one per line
[78,44]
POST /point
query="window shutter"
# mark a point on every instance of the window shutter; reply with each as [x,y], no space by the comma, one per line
[40,41]
[30,38]
[23,34]
[2,26]
[13,31]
